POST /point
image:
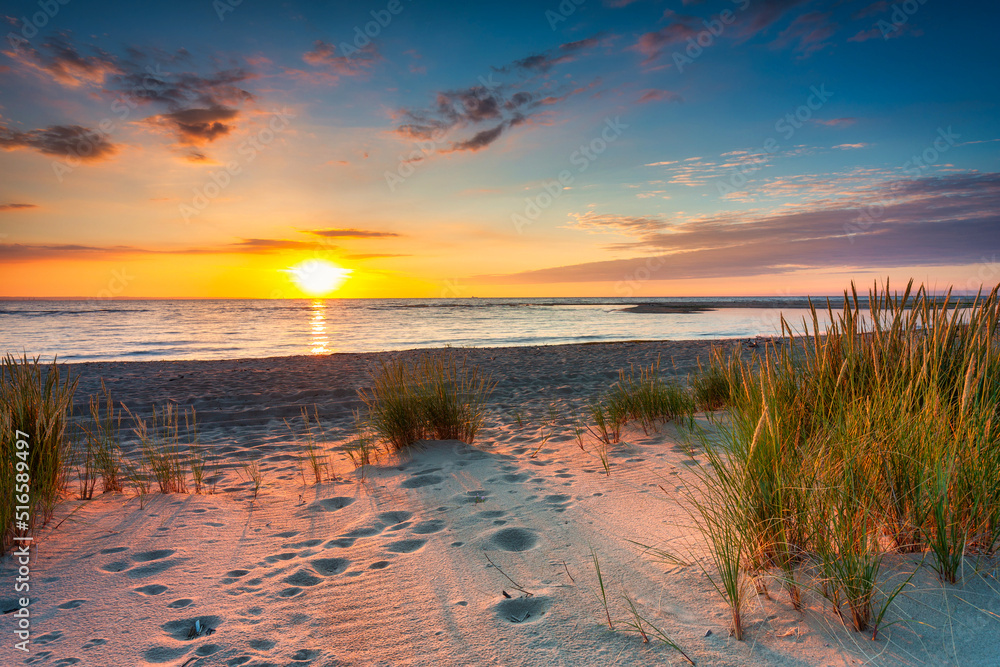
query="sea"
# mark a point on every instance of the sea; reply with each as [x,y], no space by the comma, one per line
[166,329]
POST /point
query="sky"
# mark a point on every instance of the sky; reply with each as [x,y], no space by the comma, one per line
[411,148]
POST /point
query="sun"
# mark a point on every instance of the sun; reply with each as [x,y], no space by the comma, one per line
[318,277]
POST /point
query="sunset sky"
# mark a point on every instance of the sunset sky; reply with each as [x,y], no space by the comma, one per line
[581,148]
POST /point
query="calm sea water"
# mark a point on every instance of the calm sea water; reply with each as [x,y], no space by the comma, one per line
[89,330]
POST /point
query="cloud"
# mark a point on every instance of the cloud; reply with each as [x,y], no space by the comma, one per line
[871,10]
[324,55]
[545,61]
[373,255]
[61,61]
[200,126]
[848,147]
[16,207]
[637,226]
[252,246]
[656,95]
[934,221]
[60,140]
[762,15]
[490,109]
[807,33]
[196,108]
[836,122]
[653,44]
[886,30]
[352,233]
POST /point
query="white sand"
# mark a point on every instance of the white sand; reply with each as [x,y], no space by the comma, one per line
[394,570]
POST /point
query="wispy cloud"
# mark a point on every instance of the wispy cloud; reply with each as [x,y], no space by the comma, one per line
[936,221]
[17,207]
[325,56]
[352,233]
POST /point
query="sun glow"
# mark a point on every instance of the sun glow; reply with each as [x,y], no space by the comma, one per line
[317,277]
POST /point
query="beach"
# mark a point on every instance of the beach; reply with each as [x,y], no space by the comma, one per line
[448,554]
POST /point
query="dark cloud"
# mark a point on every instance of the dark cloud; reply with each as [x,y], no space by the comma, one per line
[16,207]
[197,108]
[352,233]
[199,126]
[480,139]
[60,140]
[940,221]
[498,105]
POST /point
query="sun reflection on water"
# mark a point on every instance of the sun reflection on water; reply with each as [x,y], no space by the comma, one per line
[320,338]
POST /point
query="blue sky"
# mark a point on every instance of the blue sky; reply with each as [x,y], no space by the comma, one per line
[498,148]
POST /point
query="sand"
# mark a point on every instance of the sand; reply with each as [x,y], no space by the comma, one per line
[395,569]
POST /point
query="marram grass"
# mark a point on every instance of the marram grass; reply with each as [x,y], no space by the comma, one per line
[878,435]
[433,396]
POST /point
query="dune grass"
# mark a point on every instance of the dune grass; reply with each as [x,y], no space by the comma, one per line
[35,404]
[160,446]
[430,397]
[879,435]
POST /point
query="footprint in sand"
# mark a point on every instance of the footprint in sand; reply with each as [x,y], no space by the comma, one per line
[329,567]
[274,558]
[152,589]
[48,638]
[114,550]
[405,546]
[287,534]
[428,527]
[116,566]
[331,504]
[398,516]
[417,481]
[302,578]
[365,531]
[183,629]
[91,643]
[70,604]
[180,604]
[146,556]
[514,539]
[340,543]
[522,610]
[379,565]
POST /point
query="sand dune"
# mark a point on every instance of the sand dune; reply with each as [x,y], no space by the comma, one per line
[448,555]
